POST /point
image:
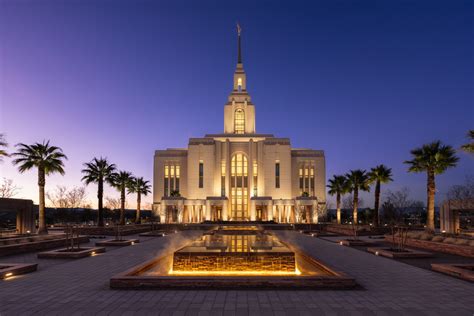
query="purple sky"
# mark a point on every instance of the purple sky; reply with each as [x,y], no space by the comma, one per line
[364,80]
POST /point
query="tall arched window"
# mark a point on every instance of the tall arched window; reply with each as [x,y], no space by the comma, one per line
[239,121]
[239,187]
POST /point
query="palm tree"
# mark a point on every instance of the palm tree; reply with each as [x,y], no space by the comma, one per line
[139,186]
[121,181]
[48,159]
[433,158]
[99,171]
[357,180]
[338,186]
[379,174]
[469,147]
[3,144]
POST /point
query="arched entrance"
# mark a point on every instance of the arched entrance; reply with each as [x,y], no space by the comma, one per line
[239,187]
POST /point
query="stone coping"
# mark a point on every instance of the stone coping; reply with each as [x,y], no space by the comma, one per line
[131,279]
[461,271]
[30,246]
[353,242]
[62,254]
[117,243]
[11,269]
[409,253]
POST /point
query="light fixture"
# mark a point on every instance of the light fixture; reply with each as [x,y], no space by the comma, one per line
[340,243]
[9,274]
[376,253]
[133,243]
[93,253]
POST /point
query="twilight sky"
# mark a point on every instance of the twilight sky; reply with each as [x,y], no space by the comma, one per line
[366,81]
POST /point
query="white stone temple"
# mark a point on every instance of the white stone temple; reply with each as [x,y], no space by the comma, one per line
[239,175]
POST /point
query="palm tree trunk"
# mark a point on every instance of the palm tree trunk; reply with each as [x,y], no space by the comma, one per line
[376,204]
[100,196]
[122,207]
[356,205]
[41,216]
[139,200]
[338,206]
[431,187]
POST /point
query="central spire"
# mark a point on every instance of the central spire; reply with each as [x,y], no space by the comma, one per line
[239,55]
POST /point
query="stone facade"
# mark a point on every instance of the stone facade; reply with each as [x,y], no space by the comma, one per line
[239,175]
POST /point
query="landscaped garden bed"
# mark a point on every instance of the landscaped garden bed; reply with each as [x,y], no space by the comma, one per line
[8,270]
[398,253]
[35,243]
[71,253]
[457,246]
[117,242]
[462,271]
[353,242]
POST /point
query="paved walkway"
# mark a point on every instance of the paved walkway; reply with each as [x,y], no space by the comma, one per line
[80,287]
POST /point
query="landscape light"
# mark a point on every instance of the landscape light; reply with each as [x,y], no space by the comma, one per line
[9,274]
[133,243]
[93,253]
[340,243]
[376,253]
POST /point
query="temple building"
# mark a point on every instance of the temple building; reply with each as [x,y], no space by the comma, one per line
[239,175]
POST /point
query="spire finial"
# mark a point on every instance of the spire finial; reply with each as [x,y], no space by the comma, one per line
[239,30]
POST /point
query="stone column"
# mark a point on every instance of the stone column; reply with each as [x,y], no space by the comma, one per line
[270,210]
[163,212]
[315,212]
[225,207]
[279,213]
[208,210]
[180,211]
[252,210]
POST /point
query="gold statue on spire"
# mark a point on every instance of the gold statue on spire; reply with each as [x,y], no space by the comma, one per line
[238,29]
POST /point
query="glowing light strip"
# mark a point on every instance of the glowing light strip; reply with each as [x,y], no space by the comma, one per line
[235,273]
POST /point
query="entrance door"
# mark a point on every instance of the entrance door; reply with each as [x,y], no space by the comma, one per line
[239,187]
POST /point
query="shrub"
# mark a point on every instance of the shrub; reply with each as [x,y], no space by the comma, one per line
[449,240]
[425,236]
[471,243]
[438,238]
[461,241]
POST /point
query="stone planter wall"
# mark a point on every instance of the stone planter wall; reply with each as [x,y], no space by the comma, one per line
[37,245]
[461,250]
[347,230]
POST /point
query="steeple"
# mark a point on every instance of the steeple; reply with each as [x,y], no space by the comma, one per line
[239,74]
[239,111]
[239,58]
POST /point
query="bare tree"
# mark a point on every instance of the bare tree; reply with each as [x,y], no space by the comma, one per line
[8,189]
[61,197]
[348,202]
[112,203]
[462,192]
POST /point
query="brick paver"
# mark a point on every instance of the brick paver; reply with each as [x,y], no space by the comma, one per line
[80,287]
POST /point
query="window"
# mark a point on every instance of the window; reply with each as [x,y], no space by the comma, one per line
[239,187]
[171,179]
[167,177]
[239,84]
[255,177]
[223,178]
[239,121]
[306,178]
[201,174]
[277,174]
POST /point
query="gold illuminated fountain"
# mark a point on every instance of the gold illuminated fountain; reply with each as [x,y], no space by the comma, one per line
[237,251]
[233,257]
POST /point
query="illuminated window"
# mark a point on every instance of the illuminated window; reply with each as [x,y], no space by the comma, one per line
[306,178]
[239,121]
[223,178]
[167,177]
[239,187]
[171,179]
[255,177]
[201,174]
[277,174]
[239,84]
